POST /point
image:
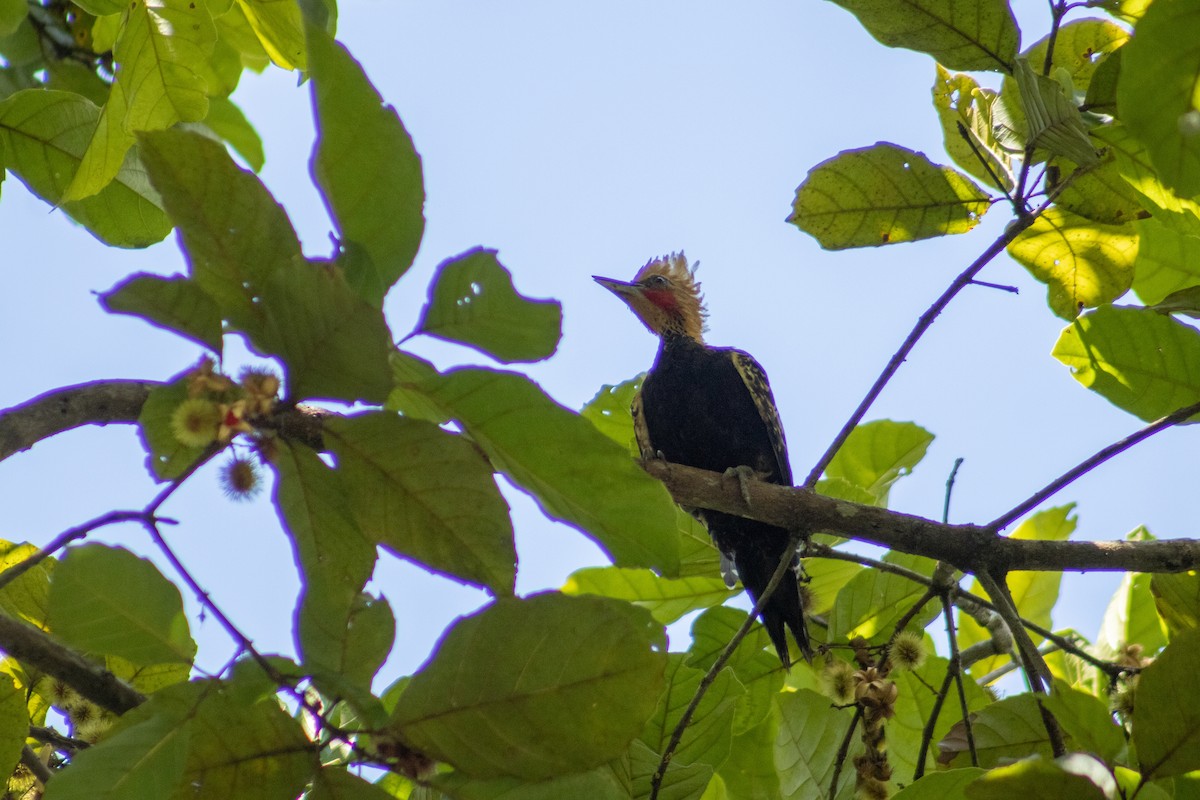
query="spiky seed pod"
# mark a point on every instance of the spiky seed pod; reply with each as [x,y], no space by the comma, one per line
[205,380]
[195,421]
[839,681]
[261,387]
[908,650]
[240,479]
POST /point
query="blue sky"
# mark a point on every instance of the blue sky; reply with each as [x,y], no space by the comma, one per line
[581,140]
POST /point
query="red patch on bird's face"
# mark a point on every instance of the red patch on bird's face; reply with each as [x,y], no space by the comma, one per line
[663,298]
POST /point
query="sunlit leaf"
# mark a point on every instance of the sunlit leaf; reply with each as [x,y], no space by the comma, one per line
[872,602]
[425,494]
[1035,593]
[1166,732]
[960,101]
[472,300]
[176,304]
[877,454]
[1086,719]
[536,687]
[975,36]
[1145,363]
[884,194]
[1131,619]
[107,600]
[1035,779]
[1158,97]
[366,166]
[667,599]
[609,412]
[14,723]
[1133,163]
[1051,118]
[25,597]
[1177,598]
[947,785]
[43,135]
[279,26]
[1100,193]
[1168,260]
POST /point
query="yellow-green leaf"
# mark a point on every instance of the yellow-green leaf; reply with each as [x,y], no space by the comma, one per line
[1177,599]
[472,300]
[965,110]
[43,136]
[879,453]
[1168,259]
[1166,731]
[1143,362]
[884,194]
[1052,120]
[1158,95]
[1084,263]
[226,120]
[571,679]
[667,599]
[962,34]
[279,26]
[707,737]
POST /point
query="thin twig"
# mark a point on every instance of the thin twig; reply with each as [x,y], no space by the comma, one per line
[950,489]
[1004,287]
[956,658]
[709,677]
[999,184]
[843,750]
[1014,229]
[1090,463]
[63,539]
[930,724]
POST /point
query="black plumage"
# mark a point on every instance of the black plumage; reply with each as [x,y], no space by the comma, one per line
[712,408]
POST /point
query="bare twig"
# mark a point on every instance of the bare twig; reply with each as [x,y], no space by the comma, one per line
[987,166]
[950,489]
[722,659]
[63,539]
[843,751]
[956,659]
[1003,287]
[930,724]
[1090,463]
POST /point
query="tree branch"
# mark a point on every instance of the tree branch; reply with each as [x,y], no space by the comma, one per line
[969,548]
[97,403]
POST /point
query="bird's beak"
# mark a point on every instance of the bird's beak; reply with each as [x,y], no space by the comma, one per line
[622,289]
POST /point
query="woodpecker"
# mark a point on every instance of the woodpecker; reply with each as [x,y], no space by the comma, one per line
[712,408]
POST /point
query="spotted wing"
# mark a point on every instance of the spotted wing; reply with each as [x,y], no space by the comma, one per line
[760,390]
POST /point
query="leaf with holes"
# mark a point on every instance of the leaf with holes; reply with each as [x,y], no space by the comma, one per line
[884,194]
[472,301]
[535,687]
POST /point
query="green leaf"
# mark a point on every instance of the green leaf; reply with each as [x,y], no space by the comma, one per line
[226,120]
[1086,719]
[101,8]
[1102,90]
[26,596]
[167,457]
[1131,618]
[877,454]
[335,783]
[536,687]
[427,495]
[1168,260]
[1034,779]
[884,194]
[979,35]
[1100,194]
[1084,263]
[14,723]
[667,599]
[681,782]
[409,375]
[1141,361]
[576,474]
[161,50]
[872,602]
[914,707]
[1166,731]
[706,739]
[946,785]
[142,760]
[1157,96]
[1177,598]
[1035,593]
[472,301]
[750,772]
[43,135]
[175,304]
[12,14]
[243,252]
[609,412]
[336,560]
[595,784]
[367,168]
[826,577]
[960,101]
[1008,729]
[1052,120]
[1133,163]
[279,26]
[753,662]
[241,739]
[107,600]
[806,749]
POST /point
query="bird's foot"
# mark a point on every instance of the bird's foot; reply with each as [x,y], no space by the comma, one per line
[744,475]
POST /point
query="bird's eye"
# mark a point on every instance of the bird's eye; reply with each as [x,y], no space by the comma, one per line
[657,281]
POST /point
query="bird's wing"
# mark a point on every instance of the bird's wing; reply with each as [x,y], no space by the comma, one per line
[640,432]
[760,390]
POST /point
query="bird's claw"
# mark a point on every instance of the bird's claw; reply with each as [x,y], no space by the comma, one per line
[744,475]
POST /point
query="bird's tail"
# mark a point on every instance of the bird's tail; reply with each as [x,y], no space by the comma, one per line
[756,555]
